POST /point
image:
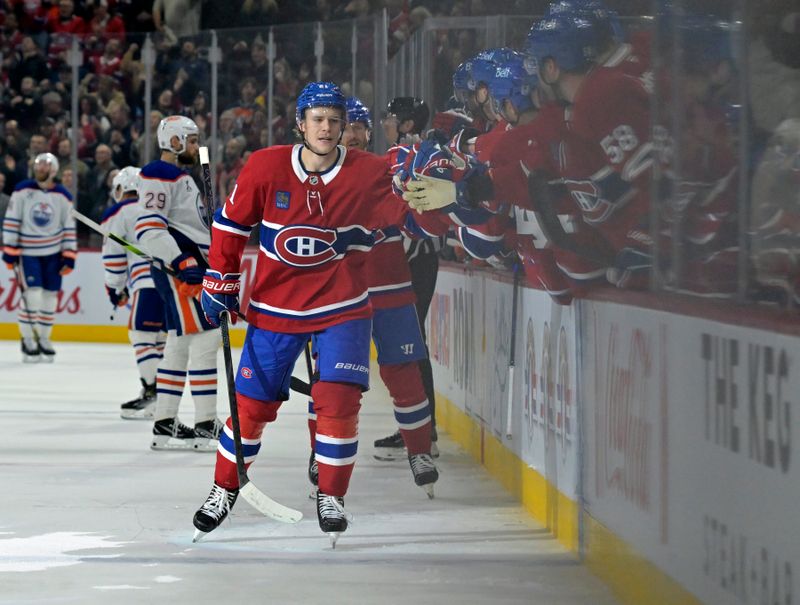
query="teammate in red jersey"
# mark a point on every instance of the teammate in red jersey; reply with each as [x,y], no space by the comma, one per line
[395,330]
[318,206]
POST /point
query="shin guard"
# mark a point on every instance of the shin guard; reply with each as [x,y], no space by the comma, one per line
[336,444]
[253,417]
[411,408]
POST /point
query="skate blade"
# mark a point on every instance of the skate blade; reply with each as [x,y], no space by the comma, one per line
[313,494]
[390,455]
[198,535]
[205,445]
[166,443]
[334,537]
[434,450]
[145,414]
[31,359]
[429,490]
[48,358]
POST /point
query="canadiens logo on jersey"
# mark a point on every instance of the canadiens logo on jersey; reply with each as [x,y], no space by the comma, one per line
[587,195]
[305,246]
[42,214]
[282,200]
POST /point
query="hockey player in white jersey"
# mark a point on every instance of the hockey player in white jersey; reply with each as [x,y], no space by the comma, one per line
[40,247]
[172,228]
[127,279]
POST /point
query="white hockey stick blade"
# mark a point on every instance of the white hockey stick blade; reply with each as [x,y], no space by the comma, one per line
[267,506]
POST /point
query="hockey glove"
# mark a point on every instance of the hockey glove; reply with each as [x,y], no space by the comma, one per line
[189,274]
[67,263]
[220,293]
[431,193]
[118,298]
[11,256]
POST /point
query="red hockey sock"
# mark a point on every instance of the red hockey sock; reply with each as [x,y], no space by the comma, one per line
[337,406]
[411,408]
[253,417]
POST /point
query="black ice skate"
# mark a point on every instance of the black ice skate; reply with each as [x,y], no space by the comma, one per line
[214,510]
[425,473]
[140,408]
[206,435]
[313,474]
[30,351]
[391,448]
[331,515]
[46,350]
[171,434]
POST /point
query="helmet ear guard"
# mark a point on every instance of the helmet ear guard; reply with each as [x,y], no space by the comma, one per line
[175,126]
[126,180]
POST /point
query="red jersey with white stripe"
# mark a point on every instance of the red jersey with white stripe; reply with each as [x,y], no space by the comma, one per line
[316,230]
[607,154]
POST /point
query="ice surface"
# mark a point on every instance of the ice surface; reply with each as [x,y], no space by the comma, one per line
[89,514]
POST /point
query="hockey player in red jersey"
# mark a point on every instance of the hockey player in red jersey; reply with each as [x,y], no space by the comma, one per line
[318,206]
[607,154]
[395,330]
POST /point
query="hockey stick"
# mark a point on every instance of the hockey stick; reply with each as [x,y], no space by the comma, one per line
[254,496]
[511,355]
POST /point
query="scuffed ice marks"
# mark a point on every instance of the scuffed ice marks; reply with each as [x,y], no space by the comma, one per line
[38,553]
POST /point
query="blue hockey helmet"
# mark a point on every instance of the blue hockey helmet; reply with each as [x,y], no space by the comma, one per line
[497,55]
[320,94]
[605,19]
[461,82]
[512,82]
[358,112]
[570,38]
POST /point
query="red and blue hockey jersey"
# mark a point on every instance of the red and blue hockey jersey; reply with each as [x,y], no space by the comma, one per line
[315,231]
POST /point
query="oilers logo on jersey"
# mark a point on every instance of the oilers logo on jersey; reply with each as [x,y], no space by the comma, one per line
[42,214]
[305,246]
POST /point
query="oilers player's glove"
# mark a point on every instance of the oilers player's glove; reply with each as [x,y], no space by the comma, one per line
[220,293]
[189,274]
[118,298]
[11,256]
[67,263]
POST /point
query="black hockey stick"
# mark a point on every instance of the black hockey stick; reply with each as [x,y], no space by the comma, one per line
[511,355]
[254,496]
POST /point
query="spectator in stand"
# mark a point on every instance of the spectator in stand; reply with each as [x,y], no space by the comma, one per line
[246,106]
[286,85]
[138,141]
[10,37]
[89,125]
[110,62]
[64,156]
[137,15]
[26,106]
[62,24]
[67,179]
[166,102]
[28,62]
[98,189]
[108,94]
[104,25]
[32,16]
[36,146]
[53,107]
[177,18]
[252,129]
[258,68]
[229,168]
[189,74]
[199,112]
[47,128]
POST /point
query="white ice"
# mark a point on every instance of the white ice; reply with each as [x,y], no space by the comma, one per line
[89,514]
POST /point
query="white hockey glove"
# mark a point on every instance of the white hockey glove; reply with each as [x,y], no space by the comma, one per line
[430,193]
